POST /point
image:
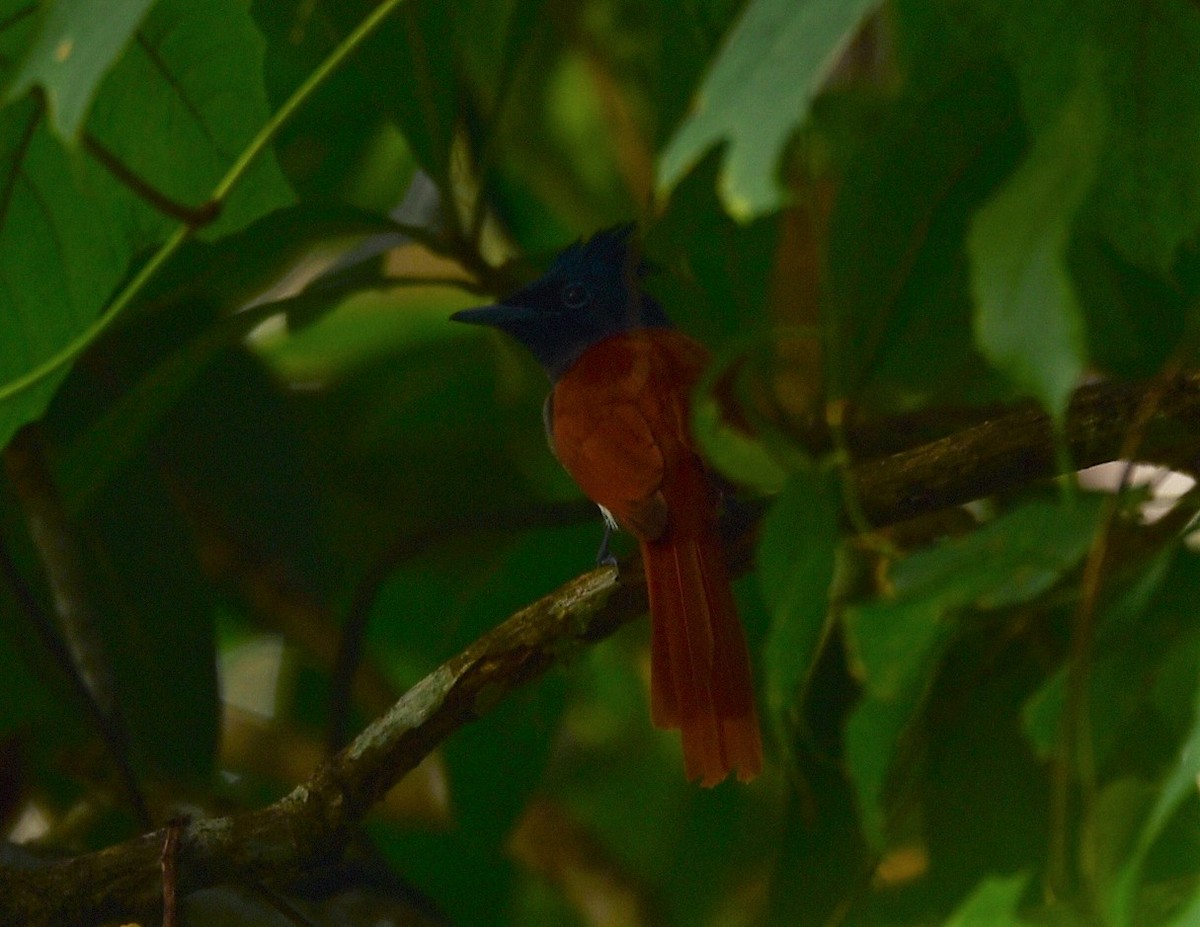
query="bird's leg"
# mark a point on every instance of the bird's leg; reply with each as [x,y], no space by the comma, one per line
[604,556]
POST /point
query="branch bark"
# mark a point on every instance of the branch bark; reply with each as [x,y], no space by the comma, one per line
[309,826]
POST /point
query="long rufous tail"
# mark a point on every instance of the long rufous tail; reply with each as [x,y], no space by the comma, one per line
[700,677]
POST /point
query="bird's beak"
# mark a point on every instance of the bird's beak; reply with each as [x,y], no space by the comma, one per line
[497,315]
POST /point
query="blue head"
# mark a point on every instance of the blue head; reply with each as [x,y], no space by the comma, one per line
[591,292]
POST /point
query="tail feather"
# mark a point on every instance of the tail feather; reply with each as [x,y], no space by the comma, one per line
[700,670]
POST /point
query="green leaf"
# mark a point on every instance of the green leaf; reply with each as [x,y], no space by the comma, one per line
[734,453]
[732,448]
[895,644]
[795,568]
[874,738]
[181,106]
[1128,647]
[759,89]
[897,289]
[1146,199]
[1008,561]
[992,904]
[176,110]
[1028,322]
[1178,785]
[78,42]
[59,259]
[1189,915]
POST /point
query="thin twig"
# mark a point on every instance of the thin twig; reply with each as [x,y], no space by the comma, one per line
[1075,739]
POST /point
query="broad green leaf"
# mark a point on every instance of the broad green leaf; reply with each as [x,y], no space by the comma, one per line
[773,63]
[181,106]
[874,740]
[993,903]
[78,42]
[177,109]
[59,258]
[342,144]
[795,568]
[732,448]
[1147,198]
[734,453]
[1028,322]
[1007,561]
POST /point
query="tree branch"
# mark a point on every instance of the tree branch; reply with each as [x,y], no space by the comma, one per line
[309,826]
[1014,447]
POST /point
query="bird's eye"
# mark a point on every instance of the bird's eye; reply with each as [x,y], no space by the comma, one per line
[575,296]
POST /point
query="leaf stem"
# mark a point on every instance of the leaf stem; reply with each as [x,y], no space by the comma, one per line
[260,142]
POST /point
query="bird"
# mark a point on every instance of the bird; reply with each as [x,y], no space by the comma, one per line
[617,418]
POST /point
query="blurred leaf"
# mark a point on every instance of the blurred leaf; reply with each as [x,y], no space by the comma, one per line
[157,623]
[800,539]
[719,271]
[77,44]
[1147,195]
[1028,321]
[993,904]
[874,739]
[974,755]
[139,369]
[896,642]
[1012,559]
[1178,785]
[1189,915]
[414,47]
[759,89]
[897,286]
[728,446]
[1128,647]
[1134,319]
[1146,198]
